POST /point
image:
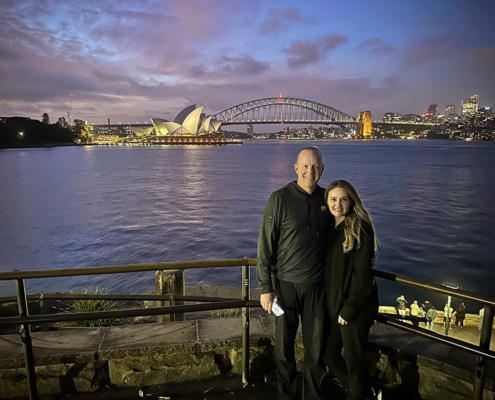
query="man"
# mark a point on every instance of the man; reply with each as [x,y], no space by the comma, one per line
[292,231]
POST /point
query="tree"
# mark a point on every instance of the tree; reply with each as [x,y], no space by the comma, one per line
[62,123]
[81,132]
[46,118]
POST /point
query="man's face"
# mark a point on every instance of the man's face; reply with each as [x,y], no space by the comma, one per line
[309,168]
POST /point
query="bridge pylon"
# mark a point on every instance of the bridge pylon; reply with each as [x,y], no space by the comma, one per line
[364,130]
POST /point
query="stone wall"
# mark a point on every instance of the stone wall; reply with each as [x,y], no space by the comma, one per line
[416,375]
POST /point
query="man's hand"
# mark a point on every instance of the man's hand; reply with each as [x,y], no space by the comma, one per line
[267,300]
[342,321]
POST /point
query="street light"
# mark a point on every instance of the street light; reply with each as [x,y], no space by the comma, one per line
[449,299]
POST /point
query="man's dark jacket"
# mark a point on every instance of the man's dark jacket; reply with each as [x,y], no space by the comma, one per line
[291,237]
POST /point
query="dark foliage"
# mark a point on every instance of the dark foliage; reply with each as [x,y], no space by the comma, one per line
[34,132]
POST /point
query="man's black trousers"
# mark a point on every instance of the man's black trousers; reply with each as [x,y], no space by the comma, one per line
[308,302]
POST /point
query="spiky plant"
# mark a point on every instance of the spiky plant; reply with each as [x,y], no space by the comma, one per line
[87,305]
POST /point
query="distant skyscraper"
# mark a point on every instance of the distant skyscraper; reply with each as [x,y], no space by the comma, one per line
[250,130]
[449,109]
[470,106]
[432,110]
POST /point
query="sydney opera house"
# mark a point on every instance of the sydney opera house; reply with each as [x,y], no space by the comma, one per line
[190,122]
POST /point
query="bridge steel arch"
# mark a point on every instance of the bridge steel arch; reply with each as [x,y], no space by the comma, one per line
[282,109]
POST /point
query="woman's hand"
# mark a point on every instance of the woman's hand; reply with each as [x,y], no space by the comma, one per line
[342,321]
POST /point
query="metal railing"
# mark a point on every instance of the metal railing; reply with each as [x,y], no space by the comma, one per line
[482,352]
[24,321]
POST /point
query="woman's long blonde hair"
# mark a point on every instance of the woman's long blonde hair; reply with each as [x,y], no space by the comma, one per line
[357,213]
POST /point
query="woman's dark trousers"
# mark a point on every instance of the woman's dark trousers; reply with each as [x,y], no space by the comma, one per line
[306,301]
[352,369]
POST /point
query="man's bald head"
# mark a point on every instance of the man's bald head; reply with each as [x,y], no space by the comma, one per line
[309,167]
[311,148]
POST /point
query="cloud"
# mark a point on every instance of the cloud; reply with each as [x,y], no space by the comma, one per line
[330,42]
[302,53]
[278,20]
[244,64]
[376,46]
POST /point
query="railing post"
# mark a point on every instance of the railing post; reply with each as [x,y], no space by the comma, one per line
[43,311]
[170,282]
[481,362]
[245,324]
[27,344]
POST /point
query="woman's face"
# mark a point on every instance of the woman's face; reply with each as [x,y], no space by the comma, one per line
[339,202]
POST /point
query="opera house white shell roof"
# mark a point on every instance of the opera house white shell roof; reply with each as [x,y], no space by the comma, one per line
[188,122]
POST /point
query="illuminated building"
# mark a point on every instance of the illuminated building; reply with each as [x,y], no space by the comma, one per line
[189,122]
[392,117]
[449,109]
[470,106]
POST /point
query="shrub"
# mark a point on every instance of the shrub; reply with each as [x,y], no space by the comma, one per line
[88,305]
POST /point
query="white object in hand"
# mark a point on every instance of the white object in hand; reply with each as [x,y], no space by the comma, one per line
[276,309]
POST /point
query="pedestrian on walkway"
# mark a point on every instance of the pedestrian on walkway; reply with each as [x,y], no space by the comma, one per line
[448,312]
[480,321]
[430,317]
[401,308]
[426,306]
[415,313]
[460,314]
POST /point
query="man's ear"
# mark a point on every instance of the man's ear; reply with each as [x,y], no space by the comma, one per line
[295,168]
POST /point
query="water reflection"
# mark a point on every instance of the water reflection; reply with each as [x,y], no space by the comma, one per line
[75,207]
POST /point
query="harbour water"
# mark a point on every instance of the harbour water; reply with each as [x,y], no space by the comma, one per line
[432,203]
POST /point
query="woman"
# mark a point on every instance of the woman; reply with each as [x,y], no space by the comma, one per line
[352,295]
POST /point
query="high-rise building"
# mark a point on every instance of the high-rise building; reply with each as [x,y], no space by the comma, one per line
[432,110]
[470,106]
[250,130]
[449,109]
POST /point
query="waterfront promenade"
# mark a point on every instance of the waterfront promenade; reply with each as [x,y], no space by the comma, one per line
[142,357]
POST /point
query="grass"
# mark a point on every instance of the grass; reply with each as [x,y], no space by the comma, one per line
[81,306]
[227,313]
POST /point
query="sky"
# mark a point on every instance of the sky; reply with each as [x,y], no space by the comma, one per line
[133,60]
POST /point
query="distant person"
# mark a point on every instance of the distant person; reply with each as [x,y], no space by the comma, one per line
[291,272]
[426,306]
[430,317]
[351,291]
[447,312]
[401,308]
[415,313]
[480,321]
[460,315]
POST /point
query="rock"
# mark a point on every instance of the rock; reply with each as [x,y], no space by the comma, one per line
[160,368]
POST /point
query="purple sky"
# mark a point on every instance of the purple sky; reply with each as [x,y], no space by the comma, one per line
[132,60]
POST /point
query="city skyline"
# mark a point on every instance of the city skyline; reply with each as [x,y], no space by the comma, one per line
[135,60]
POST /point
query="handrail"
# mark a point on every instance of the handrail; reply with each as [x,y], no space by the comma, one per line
[438,337]
[24,321]
[121,297]
[434,287]
[64,317]
[115,269]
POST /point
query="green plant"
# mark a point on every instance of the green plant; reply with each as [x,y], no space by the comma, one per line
[83,305]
